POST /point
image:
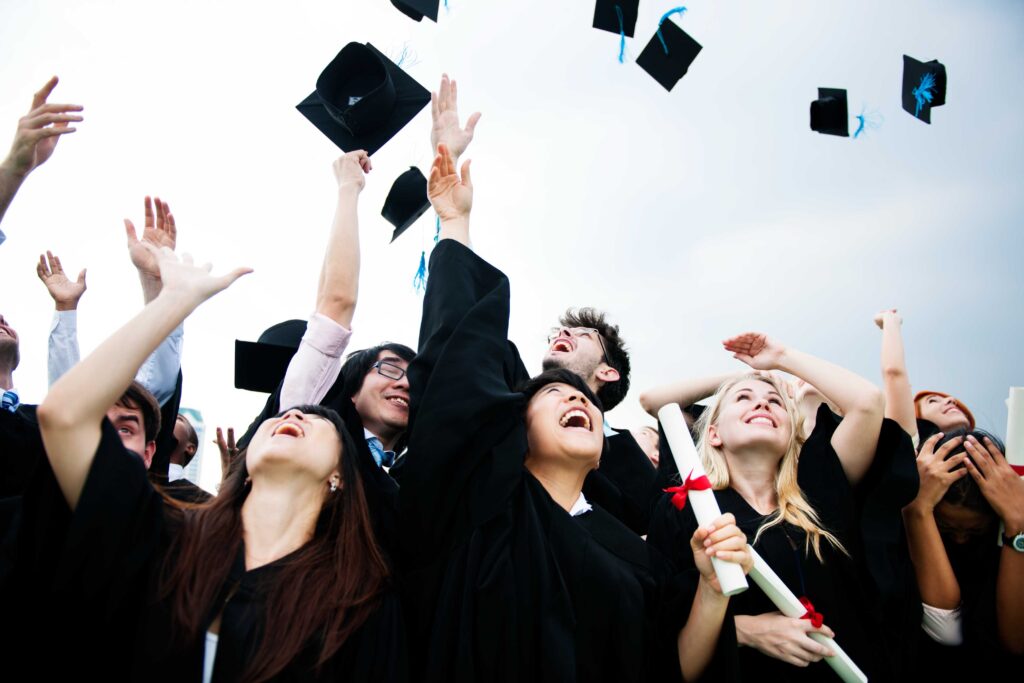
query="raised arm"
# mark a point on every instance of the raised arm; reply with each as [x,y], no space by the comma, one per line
[444,111]
[899,399]
[684,392]
[62,350]
[856,438]
[70,417]
[34,143]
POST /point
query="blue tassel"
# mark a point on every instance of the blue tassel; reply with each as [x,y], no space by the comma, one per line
[419,281]
[923,92]
[675,10]
[860,125]
[622,34]
[437,229]
[867,120]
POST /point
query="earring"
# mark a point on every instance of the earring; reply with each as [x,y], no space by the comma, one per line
[334,486]
[248,480]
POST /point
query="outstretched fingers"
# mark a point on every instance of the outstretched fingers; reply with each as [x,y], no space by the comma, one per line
[39,98]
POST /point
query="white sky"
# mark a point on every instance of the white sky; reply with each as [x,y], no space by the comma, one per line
[689,216]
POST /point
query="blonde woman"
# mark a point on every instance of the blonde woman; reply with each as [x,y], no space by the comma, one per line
[796,497]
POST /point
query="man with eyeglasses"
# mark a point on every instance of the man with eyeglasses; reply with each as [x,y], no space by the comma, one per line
[625,483]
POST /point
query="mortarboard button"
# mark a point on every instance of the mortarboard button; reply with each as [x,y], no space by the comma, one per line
[406,201]
[417,9]
[261,365]
[621,20]
[924,87]
[362,99]
[829,113]
[669,53]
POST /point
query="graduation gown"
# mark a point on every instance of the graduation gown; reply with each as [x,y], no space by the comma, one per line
[89,592]
[500,583]
[867,597]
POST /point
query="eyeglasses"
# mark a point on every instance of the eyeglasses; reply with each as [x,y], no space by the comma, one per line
[389,370]
[576,333]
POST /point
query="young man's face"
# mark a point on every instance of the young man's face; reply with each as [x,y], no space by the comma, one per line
[132,429]
[578,350]
[383,401]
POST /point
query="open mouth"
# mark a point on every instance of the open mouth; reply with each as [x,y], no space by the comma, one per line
[575,419]
[563,345]
[399,401]
[288,429]
[762,419]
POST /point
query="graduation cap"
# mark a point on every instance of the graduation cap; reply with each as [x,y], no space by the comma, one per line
[924,87]
[616,16]
[417,9]
[669,53]
[362,99]
[829,114]
[406,201]
[261,365]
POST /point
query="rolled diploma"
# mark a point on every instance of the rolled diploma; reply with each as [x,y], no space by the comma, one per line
[789,604]
[1015,426]
[705,507]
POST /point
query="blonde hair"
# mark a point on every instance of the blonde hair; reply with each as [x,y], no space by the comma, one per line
[793,507]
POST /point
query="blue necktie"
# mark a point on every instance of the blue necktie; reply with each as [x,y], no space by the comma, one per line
[384,458]
[9,401]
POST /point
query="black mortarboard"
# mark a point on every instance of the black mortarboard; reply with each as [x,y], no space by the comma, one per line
[829,114]
[607,18]
[261,365]
[417,9]
[362,99]
[669,54]
[924,87]
[406,201]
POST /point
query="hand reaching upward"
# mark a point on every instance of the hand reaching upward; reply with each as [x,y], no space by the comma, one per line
[756,350]
[65,292]
[158,233]
[444,110]
[450,195]
[181,277]
[40,130]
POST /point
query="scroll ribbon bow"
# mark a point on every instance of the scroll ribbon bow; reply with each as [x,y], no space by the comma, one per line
[810,615]
[692,483]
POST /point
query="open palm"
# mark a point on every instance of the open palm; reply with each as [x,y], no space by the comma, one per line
[450,195]
[756,350]
[159,231]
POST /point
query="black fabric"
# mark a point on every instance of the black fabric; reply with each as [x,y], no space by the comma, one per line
[165,441]
[842,588]
[625,484]
[186,491]
[501,584]
[667,66]
[21,449]
[88,581]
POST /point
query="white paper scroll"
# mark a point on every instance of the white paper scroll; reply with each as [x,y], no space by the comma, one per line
[705,507]
[790,605]
[1015,426]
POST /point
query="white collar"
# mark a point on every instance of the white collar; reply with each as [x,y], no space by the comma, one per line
[175,472]
[580,507]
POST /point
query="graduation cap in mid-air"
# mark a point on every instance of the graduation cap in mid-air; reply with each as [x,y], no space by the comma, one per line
[924,87]
[261,365]
[829,113]
[417,9]
[406,201]
[669,53]
[616,16]
[362,99]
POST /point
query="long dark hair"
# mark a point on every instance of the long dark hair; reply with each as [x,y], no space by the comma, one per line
[327,589]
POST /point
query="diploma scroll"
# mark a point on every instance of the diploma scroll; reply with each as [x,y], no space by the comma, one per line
[790,605]
[1015,427]
[705,507]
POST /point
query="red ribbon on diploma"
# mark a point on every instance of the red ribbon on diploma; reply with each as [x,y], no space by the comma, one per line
[701,483]
[1019,469]
[810,615]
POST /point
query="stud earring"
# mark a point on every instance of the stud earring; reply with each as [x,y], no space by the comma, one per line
[334,486]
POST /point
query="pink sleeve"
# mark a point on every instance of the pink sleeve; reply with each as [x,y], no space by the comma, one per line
[317,363]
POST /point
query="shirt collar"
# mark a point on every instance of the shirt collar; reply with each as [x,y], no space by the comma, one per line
[580,507]
[175,472]
[382,457]
[608,431]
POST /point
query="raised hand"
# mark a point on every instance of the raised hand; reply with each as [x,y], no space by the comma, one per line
[721,539]
[158,233]
[451,196]
[181,277]
[936,472]
[1002,487]
[888,317]
[227,449]
[782,637]
[444,111]
[39,131]
[65,292]
[756,350]
[350,169]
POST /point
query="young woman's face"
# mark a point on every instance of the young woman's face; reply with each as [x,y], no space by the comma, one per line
[961,524]
[561,423]
[943,412]
[304,442]
[753,414]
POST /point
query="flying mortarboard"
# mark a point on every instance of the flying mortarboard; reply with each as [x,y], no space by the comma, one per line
[621,20]
[261,365]
[924,87]
[669,53]
[362,99]
[829,113]
[417,9]
[406,201]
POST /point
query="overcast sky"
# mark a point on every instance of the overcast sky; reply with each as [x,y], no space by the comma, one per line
[688,215]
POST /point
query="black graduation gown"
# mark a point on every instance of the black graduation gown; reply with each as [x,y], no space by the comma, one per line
[186,491]
[625,484]
[845,589]
[501,584]
[89,600]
